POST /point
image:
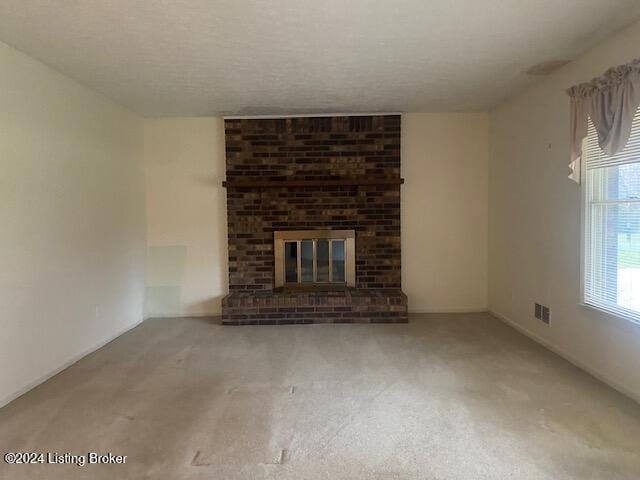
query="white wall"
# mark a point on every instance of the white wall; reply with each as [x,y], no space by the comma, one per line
[444,211]
[186,216]
[534,224]
[72,221]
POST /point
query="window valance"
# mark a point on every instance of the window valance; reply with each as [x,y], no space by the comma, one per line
[610,101]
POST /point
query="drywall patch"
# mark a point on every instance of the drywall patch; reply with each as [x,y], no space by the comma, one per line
[165,277]
[166,265]
[163,300]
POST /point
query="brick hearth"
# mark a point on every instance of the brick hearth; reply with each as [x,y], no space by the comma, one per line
[349,305]
[346,172]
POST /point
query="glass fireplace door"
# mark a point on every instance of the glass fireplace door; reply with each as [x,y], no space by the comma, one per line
[326,259]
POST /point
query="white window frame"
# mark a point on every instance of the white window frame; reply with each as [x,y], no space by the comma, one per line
[619,313]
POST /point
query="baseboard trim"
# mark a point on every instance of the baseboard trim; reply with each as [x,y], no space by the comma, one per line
[182,315]
[567,356]
[450,310]
[6,400]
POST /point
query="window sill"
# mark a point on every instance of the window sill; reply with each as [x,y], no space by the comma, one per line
[620,318]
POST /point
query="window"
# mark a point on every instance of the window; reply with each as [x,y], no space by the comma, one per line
[612,225]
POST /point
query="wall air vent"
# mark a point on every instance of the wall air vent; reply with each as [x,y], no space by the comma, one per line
[542,312]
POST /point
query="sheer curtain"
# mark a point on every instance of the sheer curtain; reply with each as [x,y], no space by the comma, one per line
[610,101]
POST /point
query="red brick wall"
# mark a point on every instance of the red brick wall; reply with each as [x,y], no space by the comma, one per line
[317,148]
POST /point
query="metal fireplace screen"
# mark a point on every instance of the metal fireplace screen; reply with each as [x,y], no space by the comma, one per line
[315,258]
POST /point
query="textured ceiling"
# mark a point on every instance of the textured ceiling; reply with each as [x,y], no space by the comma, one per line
[253,57]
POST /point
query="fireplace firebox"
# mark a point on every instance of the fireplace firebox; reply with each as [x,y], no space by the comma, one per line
[315,258]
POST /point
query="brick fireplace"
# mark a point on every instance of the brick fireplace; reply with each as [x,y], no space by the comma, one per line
[309,180]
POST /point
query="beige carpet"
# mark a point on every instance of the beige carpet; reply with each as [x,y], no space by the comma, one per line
[445,397]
